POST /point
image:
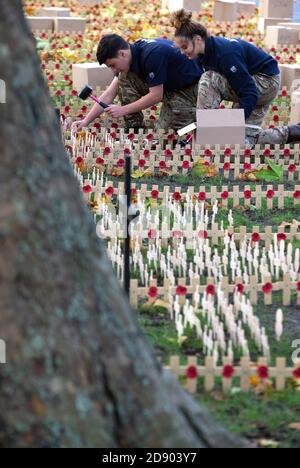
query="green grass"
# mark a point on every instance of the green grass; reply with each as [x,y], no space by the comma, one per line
[258,418]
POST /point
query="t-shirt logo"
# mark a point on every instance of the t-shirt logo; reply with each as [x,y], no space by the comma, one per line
[151,76]
[233,69]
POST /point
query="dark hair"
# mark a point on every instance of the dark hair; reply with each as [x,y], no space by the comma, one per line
[184,25]
[109,46]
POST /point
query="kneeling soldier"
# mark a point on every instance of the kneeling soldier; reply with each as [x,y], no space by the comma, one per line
[148,72]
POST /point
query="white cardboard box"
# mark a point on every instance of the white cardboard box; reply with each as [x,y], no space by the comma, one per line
[277,8]
[40,23]
[290,76]
[225,11]
[263,23]
[281,35]
[191,5]
[91,74]
[246,8]
[70,24]
[55,12]
[220,127]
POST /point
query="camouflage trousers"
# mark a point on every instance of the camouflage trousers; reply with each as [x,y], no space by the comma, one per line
[214,88]
[178,107]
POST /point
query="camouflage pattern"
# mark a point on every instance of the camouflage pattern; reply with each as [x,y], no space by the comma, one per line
[214,88]
[178,107]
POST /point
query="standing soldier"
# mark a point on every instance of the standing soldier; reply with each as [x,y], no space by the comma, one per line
[148,72]
[235,71]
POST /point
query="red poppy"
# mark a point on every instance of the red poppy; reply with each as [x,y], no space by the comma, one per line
[296,373]
[87,189]
[106,151]
[225,195]
[79,160]
[84,109]
[240,288]
[177,234]
[100,161]
[267,152]
[153,292]
[298,286]
[155,194]
[67,109]
[134,191]
[58,93]
[146,154]
[207,152]
[176,196]
[188,152]
[267,288]
[255,237]
[276,118]
[247,153]
[142,163]
[171,137]
[127,152]
[275,109]
[281,236]
[286,152]
[297,195]
[270,194]
[162,165]
[192,372]
[263,372]
[121,163]
[131,136]
[109,191]
[168,153]
[284,92]
[248,194]
[203,234]
[226,166]
[247,167]
[185,165]
[292,168]
[202,196]
[152,234]
[228,372]
[228,152]
[113,135]
[149,137]
[181,291]
[211,290]
[114,125]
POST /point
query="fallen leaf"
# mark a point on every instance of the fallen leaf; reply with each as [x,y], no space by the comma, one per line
[295,426]
[268,443]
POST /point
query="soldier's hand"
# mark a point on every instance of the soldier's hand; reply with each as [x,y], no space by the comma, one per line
[79,125]
[115,111]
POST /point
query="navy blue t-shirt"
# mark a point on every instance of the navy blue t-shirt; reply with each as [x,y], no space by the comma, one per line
[160,62]
[238,61]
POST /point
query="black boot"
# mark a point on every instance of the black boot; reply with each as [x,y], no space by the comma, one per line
[294,134]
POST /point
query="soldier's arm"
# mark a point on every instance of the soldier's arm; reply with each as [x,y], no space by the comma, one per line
[154,96]
[108,97]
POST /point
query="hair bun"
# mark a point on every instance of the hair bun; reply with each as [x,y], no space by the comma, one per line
[181,18]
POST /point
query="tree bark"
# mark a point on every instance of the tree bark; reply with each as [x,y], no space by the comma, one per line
[79,371]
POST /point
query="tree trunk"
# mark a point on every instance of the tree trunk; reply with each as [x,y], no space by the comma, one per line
[79,371]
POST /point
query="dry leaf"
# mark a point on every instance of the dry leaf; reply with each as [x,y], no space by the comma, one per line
[295,426]
[268,443]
